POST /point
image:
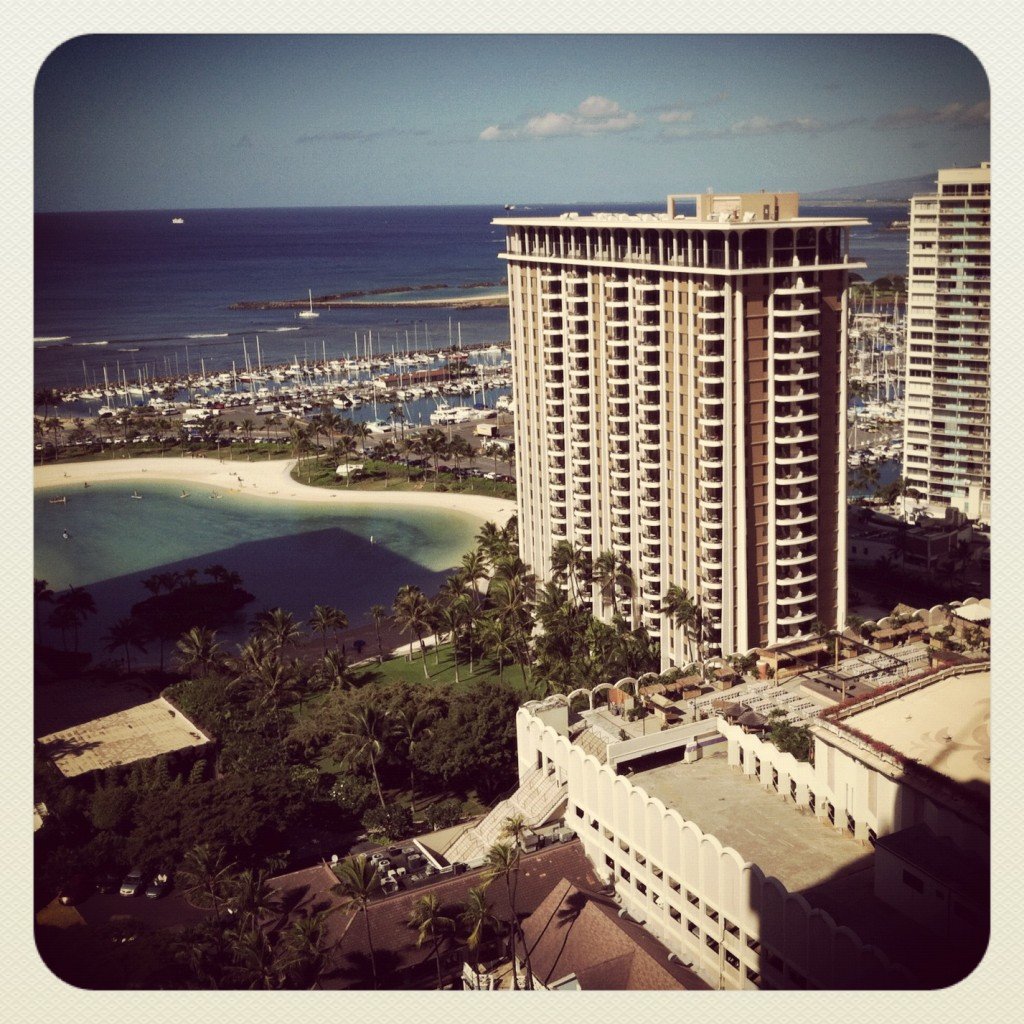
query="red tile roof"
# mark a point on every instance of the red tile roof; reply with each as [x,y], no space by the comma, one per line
[576,932]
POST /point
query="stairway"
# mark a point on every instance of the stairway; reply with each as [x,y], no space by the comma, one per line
[537,797]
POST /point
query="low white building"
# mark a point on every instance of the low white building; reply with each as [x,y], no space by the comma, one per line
[760,869]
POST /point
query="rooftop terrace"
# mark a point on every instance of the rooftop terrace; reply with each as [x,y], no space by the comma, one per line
[944,725]
[134,734]
[797,849]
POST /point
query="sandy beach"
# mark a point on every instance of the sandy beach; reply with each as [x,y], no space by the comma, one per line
[264,480]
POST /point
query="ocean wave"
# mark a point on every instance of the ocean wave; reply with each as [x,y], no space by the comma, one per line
[206,335]
[63,337]
[278,330]
[89,344]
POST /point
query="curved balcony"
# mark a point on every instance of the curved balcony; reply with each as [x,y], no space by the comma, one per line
[650,333]
[707,292]
[797,557]
[798,311]
[797,373]
[797,517]
[799,538]
[795,477]
[797,287]
[709,419]
[797,332]
[795,459]
[798,416]
[796,618]
[803,352]
[796,579]
[789,397]
[800,498]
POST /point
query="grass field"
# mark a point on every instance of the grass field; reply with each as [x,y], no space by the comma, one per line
[441,666]
[388,476]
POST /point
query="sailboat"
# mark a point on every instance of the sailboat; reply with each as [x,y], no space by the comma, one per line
[307,313]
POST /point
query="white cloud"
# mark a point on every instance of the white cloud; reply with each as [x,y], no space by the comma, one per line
[953,115]
[598,106]
[760,125]
[596,115]
[675,116]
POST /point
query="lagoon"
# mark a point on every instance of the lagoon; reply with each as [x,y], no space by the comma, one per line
[289,553]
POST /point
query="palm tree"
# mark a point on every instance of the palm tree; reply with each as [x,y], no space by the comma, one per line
[412,614]
[325,618]
[605,569]
[477,917]
[252,901]
[427,918]
[515,828]
[448,619]
[358,883]
[198,648]
[495,639]
[366,728]
[205,877]
[379,613]
[257,964]
[474,567]
[279,627]
[678,606]
[344,449]
[42,595]
[332,670]
[247,426]
[434,444]
[304,957]
[72,607]
[125,634]
[411,725]
[503,862]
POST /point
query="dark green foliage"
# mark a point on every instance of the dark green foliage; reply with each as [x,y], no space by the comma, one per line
[789,738]
[475,744]
[444,813]
[111,808]
[387,824]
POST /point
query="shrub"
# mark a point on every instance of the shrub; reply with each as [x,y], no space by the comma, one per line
[444,813]
[388,824]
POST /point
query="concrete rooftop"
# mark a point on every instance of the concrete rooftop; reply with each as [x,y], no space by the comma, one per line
[134,734]
[945,726]
[795,848]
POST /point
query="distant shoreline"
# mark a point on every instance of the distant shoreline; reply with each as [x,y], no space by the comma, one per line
[261,480]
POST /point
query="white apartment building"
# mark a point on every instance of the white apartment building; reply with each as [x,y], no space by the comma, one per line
[947,433]
[680,392]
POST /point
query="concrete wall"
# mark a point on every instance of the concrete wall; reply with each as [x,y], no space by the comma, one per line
[701,899]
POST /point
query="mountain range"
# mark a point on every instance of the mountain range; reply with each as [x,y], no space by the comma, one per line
[892,191]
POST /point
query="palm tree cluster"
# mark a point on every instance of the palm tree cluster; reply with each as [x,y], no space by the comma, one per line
[247,943]
[497,622]
[472,925]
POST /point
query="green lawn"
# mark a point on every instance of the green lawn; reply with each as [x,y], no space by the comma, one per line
[391,476]
[484,672]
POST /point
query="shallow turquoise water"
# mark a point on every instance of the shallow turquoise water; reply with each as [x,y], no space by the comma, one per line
[291,554]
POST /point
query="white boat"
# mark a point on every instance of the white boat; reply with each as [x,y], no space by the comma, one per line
[136,495]
[177,220]
[442,415]
[379,426]
[308,313]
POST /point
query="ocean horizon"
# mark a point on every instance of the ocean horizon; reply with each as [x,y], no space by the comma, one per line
[131,291]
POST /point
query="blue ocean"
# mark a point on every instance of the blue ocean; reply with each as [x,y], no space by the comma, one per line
[133,291]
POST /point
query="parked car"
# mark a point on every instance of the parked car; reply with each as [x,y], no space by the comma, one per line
[159,886]
[133,882]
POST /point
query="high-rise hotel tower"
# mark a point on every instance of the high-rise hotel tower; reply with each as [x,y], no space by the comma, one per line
[680,396]
[947,454]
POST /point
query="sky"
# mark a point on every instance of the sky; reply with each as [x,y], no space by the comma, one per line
[191,122]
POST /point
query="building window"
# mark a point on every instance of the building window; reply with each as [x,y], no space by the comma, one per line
[625,874]
[674,914]
[711,944]
[641,888]
[913,882]
[711,912]
[732,960]
[753,977]
[579,814]
[692,898]
[730,927]
[693,929]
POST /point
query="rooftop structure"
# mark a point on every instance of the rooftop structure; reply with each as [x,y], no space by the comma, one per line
[134,734]
[944,726]
[680,402]
[761,867]
[947,432]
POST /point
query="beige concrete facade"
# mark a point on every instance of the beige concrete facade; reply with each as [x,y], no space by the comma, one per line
[680,391]
[947,434]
